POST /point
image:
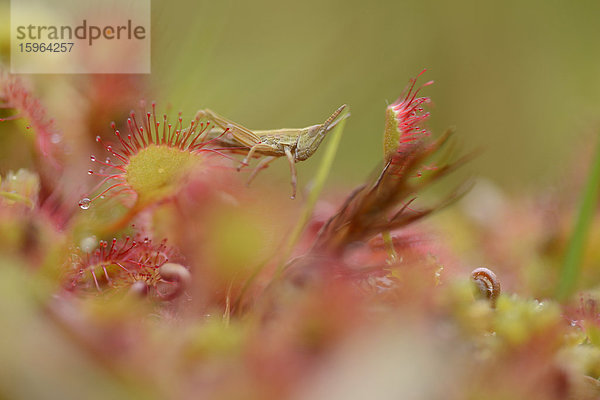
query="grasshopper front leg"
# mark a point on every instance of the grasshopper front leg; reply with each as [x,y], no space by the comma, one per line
[292,161]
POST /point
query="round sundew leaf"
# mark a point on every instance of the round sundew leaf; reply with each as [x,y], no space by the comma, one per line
[156,172]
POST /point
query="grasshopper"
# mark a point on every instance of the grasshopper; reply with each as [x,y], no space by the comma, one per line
[295,144]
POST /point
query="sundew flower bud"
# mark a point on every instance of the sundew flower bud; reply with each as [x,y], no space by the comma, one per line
[404,119]
[152,160]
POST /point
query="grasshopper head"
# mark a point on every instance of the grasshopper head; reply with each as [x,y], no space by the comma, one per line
[310,141]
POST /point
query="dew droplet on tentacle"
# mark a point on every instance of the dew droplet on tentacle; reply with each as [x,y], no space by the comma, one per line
[85,203]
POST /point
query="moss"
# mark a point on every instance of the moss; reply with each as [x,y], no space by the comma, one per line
[517,320]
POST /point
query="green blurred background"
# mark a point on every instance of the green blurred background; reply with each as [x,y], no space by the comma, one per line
[519,80]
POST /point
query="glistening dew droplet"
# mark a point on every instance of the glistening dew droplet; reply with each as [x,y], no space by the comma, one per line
[84,203]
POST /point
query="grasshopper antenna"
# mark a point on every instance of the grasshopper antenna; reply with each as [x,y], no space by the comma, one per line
[332,121]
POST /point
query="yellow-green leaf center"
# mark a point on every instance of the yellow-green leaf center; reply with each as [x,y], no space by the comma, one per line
[157,171]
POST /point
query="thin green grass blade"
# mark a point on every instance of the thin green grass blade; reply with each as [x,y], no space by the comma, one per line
[571,267]
[319,182]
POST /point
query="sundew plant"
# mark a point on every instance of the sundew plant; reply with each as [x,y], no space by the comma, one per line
[151,257]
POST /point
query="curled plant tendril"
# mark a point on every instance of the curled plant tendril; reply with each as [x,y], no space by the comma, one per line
[487,283]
